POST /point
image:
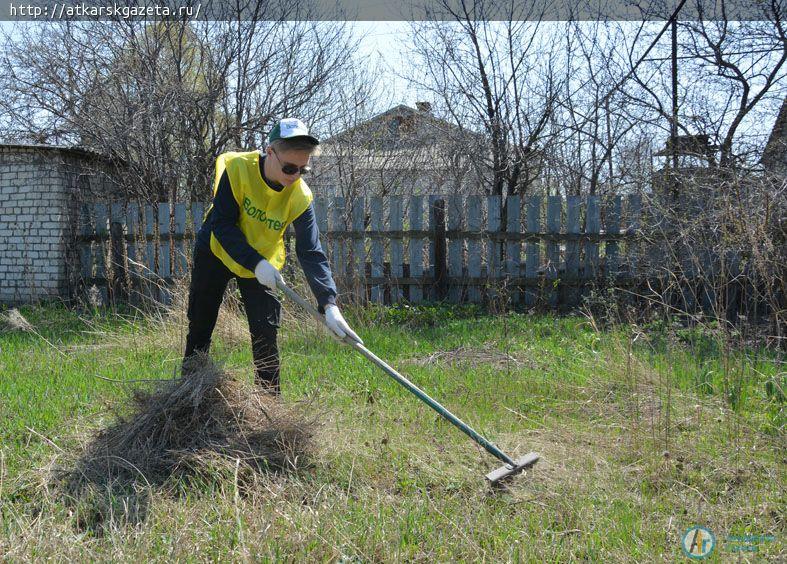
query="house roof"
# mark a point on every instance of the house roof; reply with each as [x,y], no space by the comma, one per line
[72,149]
[400,111]
[775,153]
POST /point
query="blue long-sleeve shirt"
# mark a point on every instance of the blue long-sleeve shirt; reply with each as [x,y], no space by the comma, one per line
[222,221]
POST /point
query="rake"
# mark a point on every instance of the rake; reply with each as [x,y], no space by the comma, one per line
[511,466]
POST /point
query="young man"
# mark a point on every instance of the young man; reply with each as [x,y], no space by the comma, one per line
[255,198]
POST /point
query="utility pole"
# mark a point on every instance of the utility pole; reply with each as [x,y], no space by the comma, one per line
[674,124]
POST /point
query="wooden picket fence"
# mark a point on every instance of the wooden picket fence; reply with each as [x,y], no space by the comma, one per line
[538,250]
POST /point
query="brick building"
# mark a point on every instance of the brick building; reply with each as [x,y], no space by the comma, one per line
[41,190]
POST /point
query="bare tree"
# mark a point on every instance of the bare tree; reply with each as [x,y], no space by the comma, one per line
[162,99]
[349,166]
[747,60]
[495,78]
[728,71]
[588,126]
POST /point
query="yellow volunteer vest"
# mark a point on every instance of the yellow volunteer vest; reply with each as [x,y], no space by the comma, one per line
[264,212]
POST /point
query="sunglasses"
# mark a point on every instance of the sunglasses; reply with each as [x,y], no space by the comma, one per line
[289,168]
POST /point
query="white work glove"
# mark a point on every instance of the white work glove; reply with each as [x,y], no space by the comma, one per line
[267,274]
[338,325]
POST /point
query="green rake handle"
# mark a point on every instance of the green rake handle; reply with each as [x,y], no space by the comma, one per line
[420,394]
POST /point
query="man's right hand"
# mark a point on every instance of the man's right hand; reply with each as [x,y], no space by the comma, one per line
[267,275]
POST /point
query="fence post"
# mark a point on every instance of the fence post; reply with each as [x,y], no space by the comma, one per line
[440,259]
[513,246]
[430,241]
[395,223]
[592,228]
[338,229]
[474,246]
[376,224]
[611,247]
[533,252]
[455,258]
[197,213]
[554,211]
[102,232]
[150,252]
[163,271]
[132,240]
[180,265]
[416,249]
[359,248]
[634,209]
[118,247]
[429,289]
[573,204]
[494,245]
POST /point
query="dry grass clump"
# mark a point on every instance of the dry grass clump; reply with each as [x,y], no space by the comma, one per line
[202,423]
[13,320]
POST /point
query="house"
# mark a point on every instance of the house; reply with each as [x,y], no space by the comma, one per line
[42,188]
[774,157]
[401,151]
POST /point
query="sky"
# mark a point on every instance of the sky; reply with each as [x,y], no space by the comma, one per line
[381,39]
[386,41]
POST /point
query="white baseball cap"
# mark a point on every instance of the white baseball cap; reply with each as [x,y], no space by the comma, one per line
[291,128]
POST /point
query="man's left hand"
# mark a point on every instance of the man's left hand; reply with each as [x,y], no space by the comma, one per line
[337,324]
[267,274]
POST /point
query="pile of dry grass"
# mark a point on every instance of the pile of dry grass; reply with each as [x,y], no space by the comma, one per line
[202,423]
[13,320]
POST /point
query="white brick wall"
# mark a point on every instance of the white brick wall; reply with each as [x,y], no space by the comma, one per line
[37,220]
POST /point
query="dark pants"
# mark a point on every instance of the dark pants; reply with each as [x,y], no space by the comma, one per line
[209,278]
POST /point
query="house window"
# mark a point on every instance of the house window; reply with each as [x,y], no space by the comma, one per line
[401,125]
[393,126]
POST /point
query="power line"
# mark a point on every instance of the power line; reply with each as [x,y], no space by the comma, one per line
[620,83]
[672,18]
[753,52]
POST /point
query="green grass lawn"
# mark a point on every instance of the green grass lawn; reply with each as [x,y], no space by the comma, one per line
[639,441]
